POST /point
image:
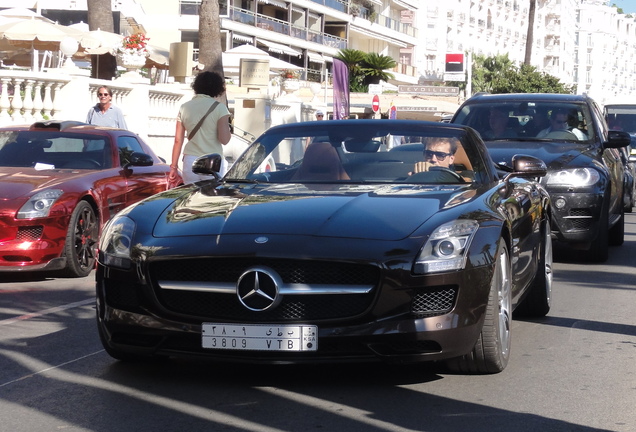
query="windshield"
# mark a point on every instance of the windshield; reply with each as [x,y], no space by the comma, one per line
[50,150]
[528,121]
[361,151]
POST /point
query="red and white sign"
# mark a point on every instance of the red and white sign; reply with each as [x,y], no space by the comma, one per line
[455,63]
[376,103]
[392,112]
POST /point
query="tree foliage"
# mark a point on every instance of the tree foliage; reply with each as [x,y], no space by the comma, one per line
[499,74]
[365,68]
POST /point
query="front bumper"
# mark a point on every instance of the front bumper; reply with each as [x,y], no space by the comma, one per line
[32,245]
[387,330]
[575,215]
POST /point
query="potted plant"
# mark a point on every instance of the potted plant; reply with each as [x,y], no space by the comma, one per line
[133,51]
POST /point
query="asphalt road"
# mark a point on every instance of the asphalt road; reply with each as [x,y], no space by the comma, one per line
[575,370]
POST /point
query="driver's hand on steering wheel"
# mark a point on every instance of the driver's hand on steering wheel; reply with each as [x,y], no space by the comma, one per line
[421,167]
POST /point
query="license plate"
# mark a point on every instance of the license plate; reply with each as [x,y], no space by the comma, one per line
[251,337]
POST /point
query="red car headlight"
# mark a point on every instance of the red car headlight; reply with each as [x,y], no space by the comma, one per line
[39,204]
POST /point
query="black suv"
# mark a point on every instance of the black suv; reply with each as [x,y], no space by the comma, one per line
[585,172]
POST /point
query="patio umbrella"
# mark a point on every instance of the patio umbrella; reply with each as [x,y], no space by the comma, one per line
[107,42]
[17,13]
[158,57]
[35,34]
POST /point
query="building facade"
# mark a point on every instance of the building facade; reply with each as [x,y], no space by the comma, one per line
[584,43]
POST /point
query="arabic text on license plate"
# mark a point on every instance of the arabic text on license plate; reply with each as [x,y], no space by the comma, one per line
[250,337]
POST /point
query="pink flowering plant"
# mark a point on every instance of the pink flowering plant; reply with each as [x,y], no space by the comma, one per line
[134,45]
[289,74]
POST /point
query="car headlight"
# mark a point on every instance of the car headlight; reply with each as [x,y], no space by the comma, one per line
[446,248]
[576,177]
[116,242]
[39,204]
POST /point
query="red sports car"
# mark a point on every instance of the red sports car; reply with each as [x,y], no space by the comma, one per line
[59,183]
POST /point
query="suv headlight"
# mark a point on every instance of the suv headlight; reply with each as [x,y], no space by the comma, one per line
[446,248]
[576,177]
[39,204]
[116,242]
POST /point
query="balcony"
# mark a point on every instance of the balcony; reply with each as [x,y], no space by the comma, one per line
[340,6]
[285,28]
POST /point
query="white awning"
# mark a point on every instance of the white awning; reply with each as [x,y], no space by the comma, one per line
[243,38]
[315,57]
[280,49]
[278,3]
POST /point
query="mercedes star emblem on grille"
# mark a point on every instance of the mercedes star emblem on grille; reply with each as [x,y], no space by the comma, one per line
[257,288]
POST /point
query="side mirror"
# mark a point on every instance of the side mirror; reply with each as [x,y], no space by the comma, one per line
[139,159]
[523,166]
[209,164]
[528,166]
[617,139]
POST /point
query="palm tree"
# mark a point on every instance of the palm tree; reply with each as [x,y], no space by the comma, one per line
[374,67]
[100,16]
[353,58]
[530,34]
[210,51]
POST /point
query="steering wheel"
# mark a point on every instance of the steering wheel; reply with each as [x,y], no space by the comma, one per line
[436,174]
[562,134]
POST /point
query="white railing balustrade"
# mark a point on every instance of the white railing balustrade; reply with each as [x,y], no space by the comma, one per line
[27,97]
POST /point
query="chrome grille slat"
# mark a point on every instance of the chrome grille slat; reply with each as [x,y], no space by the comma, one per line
[297,289]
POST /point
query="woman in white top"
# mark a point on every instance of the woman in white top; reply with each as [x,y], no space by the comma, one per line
[212,133]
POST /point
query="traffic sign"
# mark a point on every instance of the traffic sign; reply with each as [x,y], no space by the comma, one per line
[376,103]
[393,112]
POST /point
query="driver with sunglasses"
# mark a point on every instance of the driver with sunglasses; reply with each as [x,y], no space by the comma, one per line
[439,152]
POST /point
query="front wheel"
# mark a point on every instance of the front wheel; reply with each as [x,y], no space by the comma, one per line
[81,241]
[492,350]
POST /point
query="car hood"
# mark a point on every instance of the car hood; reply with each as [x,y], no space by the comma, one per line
[18,182]
[377,212]
[555,155]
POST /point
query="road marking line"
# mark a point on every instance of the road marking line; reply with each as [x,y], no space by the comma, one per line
[45,312]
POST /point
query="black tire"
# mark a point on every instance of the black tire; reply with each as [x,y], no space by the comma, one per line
[539,298]
[617,232]
[492,350]
[599,249]
[81,241]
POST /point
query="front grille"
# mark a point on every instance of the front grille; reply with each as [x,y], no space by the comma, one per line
[580,218]
[223,306]
[29,233]
[122,295]
[434,303]
[291,271]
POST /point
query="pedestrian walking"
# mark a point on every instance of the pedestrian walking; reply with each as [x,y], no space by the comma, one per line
[206,122]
